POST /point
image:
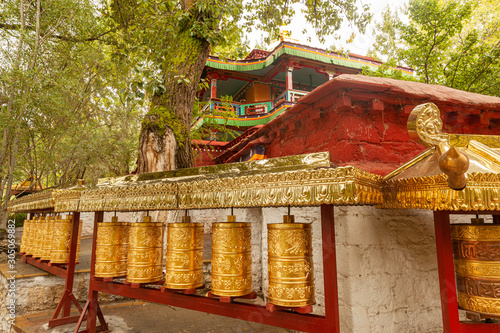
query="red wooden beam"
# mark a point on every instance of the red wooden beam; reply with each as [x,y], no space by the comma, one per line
[244,311]
[56,270]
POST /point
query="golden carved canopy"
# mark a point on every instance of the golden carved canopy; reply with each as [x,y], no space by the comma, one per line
[301,180]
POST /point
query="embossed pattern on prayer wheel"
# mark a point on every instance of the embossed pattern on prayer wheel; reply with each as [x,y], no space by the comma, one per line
[61,237]
[231,258]
[290,264]
[184,268]
[25,235]
[476,249]
[38,237]
[47,238]
[145,253]
[111,248]
[28,249]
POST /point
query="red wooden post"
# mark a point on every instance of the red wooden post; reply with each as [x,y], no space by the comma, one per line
[447,285]
[330,269]
[68,274]
[92,317]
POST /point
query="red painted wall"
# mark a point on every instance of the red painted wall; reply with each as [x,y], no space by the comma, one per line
[375,141]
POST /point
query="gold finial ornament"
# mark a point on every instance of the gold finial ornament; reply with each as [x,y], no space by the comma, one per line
[477,266]
[290,263]
[184,268]
[454,164]
[231,258]
[111,248]
[145,254]
[425,125]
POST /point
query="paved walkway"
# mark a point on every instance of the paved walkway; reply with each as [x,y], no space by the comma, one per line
[142,317]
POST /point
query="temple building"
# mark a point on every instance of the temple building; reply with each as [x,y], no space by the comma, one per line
[265,84]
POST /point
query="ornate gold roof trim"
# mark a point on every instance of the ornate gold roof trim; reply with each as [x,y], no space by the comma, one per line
[37,201]
[302,180]
[432,192]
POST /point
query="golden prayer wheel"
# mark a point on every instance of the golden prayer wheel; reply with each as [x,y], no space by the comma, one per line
[184,268]
[290,263]
[47,238]
[24,237]
[476,248]
[145,252]
[37,237]
[231,258]
[61,239]
[28,249]
[111,248]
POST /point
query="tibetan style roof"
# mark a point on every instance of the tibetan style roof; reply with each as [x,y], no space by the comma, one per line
[425,182]
[259,62]
[295,180]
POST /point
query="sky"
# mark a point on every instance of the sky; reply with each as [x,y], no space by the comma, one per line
[361,43]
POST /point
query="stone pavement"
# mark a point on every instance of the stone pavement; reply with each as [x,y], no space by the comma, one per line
[142,317]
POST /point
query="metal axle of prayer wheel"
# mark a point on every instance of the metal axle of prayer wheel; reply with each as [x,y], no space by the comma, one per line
[145,252]
[111,248]
[38,237]
[184,256]
[24,238]
[47,238]
[231,258]
[476,250]
[290,263]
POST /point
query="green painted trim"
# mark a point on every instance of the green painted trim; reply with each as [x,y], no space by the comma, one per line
[249,122]
[294,51]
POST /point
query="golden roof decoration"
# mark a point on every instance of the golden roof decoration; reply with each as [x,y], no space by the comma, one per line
[308,179]
[300,180]
[42,200]
[456,172]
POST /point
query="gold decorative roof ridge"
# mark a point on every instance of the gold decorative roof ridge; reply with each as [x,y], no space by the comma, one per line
[302,180]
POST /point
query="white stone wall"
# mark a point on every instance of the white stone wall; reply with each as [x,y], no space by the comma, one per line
[386,262]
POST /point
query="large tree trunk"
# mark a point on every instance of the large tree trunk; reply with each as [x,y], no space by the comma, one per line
[164,142]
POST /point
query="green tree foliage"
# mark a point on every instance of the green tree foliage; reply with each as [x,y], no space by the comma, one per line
[455,43]
[169,42]
[64,111]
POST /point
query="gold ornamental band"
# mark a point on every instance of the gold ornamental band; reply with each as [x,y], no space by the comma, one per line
[144,258]
[111,248]
[484,269]
[290,264]
[184,255]
[486,232]
[483,305]
[231,258]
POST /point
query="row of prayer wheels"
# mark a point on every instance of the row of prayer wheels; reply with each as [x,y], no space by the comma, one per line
[135,250]
[48,238]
